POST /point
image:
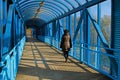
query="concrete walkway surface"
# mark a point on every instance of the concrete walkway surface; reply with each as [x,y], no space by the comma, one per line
[42,62]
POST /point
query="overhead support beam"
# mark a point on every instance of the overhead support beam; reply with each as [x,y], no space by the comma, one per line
[34,7]
[74,4]
[69,3]
[86,5]
[63,3]
[37,4]
[46,3]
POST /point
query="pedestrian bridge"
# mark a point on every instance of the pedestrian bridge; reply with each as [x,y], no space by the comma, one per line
[41,61]
[30,36]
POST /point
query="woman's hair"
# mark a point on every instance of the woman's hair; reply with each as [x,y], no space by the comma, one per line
[66,31]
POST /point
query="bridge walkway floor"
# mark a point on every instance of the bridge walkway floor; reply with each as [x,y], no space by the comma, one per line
[43,62]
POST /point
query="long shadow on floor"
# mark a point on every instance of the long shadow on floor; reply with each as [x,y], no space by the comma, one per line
[46,64]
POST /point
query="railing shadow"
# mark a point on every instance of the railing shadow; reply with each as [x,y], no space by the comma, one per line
[44,63]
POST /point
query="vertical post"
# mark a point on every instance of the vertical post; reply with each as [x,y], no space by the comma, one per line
[86,36]
[70,26]
[75,22]
[85,54]
[16,28]
[115,37]
[74,49]
[115,23]
[1,28]
[61,30]
[56,35]
[67,22]
[4,12]
[19,27]
[98,39]
[51,33]
[23,29]
[62,22]
[81,41]
[59,33]
[118,66]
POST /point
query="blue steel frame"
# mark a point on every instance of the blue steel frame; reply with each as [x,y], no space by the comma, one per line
[1,29]
[85,51]
[12,29]
[12,40]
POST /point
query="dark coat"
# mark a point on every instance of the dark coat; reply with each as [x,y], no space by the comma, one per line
[66,43]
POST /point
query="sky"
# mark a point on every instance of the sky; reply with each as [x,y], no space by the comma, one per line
[105,8]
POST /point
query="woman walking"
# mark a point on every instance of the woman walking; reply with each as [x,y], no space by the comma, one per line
[66,44]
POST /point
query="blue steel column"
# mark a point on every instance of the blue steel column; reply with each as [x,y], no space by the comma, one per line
[23,30]
[4,12]
[48,30]
[63,22]
[75,22]
[60,32]
[61,28]
[15,22]
[67,22]
[50,33]
[86,36]
[1,28]
[14,29]
[115,37]
[81,45]
[57,35]
[74,42]
[98,39]
[79,26]
[7,34]
[18,29]
[70,27]
[53,32]
[81,40]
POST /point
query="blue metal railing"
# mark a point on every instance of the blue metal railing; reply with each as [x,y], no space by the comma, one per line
[11,61]
[101,61]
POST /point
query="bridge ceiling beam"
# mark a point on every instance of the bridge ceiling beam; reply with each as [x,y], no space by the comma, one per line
[82,7]
[44,12]
[53,9]
[53,5]
[34,7]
